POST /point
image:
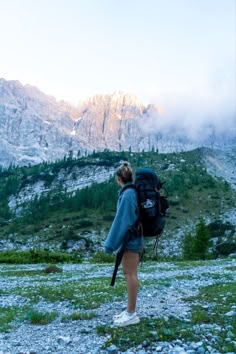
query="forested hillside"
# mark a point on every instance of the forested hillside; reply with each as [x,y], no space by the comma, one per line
[69,205]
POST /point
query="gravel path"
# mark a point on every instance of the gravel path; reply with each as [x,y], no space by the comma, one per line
[164,286]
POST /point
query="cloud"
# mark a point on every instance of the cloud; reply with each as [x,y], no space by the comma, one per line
[197,114]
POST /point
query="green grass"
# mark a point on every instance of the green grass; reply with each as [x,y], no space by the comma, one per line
[37,256]
[12,316]
[200,315]
[148,330]
[102,257]
[30,273]
[186,264]
[21,273]
[41,318]
[98,292]
[156,266]
[211,306]
[7,315]
[156,283]
[184,277]
[208,307]
[218,276]
[231,268]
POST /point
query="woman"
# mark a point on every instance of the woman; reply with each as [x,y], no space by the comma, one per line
[126,216]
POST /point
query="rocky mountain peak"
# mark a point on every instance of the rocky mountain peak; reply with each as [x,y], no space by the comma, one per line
[35,126]
[117,101]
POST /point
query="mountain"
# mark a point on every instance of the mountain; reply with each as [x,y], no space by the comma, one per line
[35,127]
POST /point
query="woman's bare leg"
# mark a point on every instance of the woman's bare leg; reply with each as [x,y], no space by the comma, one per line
[130,263]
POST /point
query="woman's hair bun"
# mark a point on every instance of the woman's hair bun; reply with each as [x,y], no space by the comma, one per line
[125,172]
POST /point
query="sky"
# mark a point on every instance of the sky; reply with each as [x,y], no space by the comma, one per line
[159,50]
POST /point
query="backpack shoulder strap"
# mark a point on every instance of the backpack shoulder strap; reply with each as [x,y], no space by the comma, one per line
[135,187]
[129,186]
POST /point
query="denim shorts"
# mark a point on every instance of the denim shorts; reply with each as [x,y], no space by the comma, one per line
[136,245]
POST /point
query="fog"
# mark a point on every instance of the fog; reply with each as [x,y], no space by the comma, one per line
[196,115]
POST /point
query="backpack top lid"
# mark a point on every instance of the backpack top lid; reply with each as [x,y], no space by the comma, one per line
[147,175]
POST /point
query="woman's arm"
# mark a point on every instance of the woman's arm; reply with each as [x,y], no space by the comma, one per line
[126,216]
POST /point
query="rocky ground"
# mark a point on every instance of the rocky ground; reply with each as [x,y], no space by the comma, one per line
[185,307]
[168,292]
[222,164]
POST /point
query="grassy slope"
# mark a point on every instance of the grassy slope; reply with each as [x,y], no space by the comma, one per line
[192,193]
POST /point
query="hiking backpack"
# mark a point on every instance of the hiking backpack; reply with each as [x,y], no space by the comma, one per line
[152,204]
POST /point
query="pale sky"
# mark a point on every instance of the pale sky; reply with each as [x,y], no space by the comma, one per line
[151,48]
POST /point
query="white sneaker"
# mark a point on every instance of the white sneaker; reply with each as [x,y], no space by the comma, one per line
[126,320]
[115,317]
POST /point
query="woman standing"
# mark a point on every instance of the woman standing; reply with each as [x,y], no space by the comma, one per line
[126,216]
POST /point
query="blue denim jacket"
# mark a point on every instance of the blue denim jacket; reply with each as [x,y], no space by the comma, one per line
[126,215]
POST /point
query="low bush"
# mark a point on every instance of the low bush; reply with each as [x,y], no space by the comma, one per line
[102,257]
[225,248]
[52,268]
[42,318]
[37,256]
[85,223]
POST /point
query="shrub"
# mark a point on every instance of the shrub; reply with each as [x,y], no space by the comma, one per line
[188,246]
[202,239]
[196,246]
[85,223]
[217,228]
[37,256]
[52,268]
[225,248]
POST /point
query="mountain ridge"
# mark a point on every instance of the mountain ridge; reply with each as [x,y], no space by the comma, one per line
[35,127]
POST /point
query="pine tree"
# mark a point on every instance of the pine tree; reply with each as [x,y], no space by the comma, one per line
[202,240]
[196,246]
[188,247]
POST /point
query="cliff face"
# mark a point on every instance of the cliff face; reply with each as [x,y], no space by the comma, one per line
[110,122]
[35,127]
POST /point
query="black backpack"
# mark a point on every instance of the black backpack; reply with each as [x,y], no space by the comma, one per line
[152,204]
